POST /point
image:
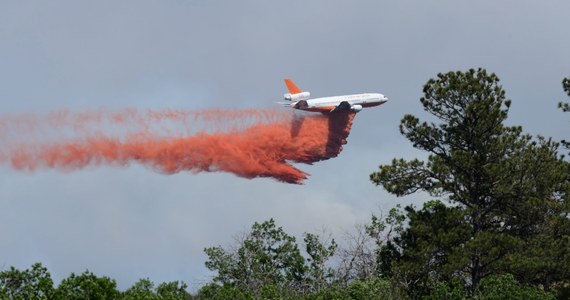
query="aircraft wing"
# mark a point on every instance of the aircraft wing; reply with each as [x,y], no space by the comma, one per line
[343,106]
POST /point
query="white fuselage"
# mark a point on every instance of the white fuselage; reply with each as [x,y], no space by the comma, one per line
[328,104]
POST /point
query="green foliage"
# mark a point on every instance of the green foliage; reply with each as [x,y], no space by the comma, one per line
[256,268]
[508,191]
[319,275]
[142,289]
[87,286]
[34,283]
[383,231]
[226,291]
[446,290]
[472,108]
[267,256]
[270,292]
[375,289]
[388,255]
[564,106]
[173,290]
[433,247]
[330,293]
[357,290]
[499,287]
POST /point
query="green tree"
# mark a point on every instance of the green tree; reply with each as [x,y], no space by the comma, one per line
[34,283]
[226,291]
[319,274]
[144,289]
[141,290]
[505,188]
[377,288]
[267,264]
[429,247]
[267,256]
[499,287]
[448,290]
[383,231]
[87,286]
[173,290]
[373,289]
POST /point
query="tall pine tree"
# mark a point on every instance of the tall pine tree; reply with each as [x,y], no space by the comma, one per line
[506,190]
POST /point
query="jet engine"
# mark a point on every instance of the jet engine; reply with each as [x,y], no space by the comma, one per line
[297,97]
[356,108]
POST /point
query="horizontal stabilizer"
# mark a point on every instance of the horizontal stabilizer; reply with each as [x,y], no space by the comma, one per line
[285,104]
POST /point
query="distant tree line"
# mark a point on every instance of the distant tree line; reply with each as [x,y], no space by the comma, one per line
[496,224]
[36,283]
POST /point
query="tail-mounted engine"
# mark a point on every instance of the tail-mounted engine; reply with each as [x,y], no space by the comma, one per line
[297,97]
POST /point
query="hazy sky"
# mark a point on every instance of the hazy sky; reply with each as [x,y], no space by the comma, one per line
[129,223]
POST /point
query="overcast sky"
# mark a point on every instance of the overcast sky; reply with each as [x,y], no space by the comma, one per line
[130,223]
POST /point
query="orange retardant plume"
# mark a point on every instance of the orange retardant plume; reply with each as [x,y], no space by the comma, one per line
[247,143]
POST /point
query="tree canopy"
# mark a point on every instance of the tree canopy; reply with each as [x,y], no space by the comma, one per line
[507,192]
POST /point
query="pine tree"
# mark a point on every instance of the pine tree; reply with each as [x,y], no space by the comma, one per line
[505,189]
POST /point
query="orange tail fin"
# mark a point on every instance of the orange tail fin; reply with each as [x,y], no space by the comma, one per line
[293,89]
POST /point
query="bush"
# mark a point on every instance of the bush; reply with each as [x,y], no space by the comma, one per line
[507,287]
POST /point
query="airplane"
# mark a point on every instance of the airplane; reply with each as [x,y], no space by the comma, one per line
[301,100]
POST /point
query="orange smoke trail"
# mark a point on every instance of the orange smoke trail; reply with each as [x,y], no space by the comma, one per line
[248,143]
